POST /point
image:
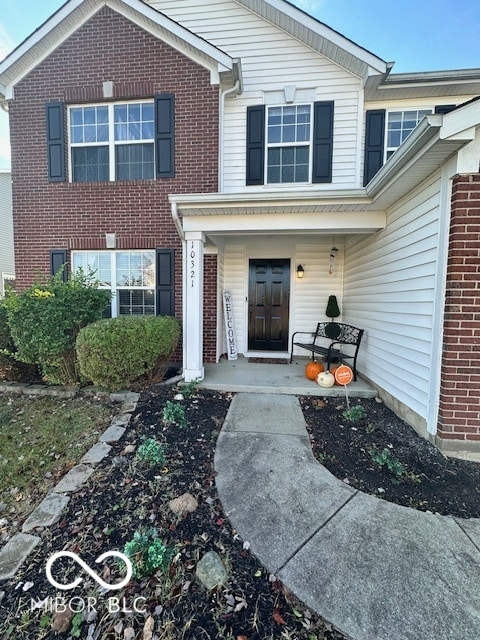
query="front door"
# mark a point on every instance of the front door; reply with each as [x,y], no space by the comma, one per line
[268,305]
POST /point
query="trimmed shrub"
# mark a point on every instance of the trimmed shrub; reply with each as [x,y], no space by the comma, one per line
[45,319]
[115,352]
[11,369]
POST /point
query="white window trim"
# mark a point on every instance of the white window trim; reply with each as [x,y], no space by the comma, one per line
[5,277]
[283,145]
[114,288]
[112,143]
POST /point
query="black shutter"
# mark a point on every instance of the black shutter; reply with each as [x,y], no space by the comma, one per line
[445,108]
[322,141]
[165,135]
[58,261]
[165,284]
[55,141]
[374,143]
[255,145]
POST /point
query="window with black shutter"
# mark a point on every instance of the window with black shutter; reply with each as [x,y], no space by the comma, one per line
[374,143]
[290,143]
[58,263]
[55,141]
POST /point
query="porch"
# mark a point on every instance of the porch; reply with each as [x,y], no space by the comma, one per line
[243,375]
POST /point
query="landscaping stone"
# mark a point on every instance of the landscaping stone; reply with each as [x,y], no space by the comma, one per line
[47,513]
[74,479]
[128,407]
[112,434]
[185,503]
[97,453]
[211,571]
[15,552]
[121,420]
[124,396]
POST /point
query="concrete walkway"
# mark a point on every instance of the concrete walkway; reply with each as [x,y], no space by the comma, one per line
[375,570]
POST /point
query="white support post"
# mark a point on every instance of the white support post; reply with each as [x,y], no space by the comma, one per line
[193,368]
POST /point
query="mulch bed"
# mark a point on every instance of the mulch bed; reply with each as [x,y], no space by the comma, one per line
[126,495]
[430,481]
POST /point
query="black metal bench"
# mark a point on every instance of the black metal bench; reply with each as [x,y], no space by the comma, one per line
[339,334]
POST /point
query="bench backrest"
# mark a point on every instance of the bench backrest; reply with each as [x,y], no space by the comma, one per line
[339,332]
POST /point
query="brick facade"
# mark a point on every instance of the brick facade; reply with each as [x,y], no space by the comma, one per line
[108,48]
[210,308]
[459,415]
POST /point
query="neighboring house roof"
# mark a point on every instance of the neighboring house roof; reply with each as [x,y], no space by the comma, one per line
[74,13]
[426,84]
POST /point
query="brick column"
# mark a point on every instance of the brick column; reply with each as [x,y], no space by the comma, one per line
[210,308]
[459,410]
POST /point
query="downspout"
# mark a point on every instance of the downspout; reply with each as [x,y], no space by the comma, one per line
[221,137]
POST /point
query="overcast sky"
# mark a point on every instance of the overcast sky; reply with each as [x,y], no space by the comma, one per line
[418,35]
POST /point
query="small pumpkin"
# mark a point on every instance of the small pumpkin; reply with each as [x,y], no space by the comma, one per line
[325,379]
[333,369]
[312,369]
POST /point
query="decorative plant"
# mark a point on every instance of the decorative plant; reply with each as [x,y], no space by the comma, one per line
[332,311]
[174,413]
[147,553]
[152,452]
[355,414]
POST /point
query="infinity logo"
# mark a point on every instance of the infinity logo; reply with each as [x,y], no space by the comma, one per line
[85,567]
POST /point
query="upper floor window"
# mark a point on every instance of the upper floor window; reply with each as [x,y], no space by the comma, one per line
[112,142]
[400,125]
[289,143]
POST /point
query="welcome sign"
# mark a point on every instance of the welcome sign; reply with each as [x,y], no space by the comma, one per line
[229,325]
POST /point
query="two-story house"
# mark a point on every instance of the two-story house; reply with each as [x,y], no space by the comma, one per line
[182,149]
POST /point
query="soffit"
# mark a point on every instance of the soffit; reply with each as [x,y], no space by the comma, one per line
[64,22]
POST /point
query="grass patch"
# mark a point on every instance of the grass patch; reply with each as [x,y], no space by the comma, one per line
[40,439]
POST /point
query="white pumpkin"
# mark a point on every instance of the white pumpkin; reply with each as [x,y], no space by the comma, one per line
[325,379]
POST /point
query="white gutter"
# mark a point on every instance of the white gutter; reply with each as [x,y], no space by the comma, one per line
[176,220]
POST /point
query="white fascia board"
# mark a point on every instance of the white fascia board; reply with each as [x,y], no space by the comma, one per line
[461,120]
[286,223]
[425,131]
[270,198]
[156,23]
[323,30]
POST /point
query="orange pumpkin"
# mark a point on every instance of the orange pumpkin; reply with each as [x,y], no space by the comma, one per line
[333,369]
[312,369]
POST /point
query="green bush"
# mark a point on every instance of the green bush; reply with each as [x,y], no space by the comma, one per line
[115,352]
[45,319]
[11,369]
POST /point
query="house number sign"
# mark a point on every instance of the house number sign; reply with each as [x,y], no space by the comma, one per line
[193,265]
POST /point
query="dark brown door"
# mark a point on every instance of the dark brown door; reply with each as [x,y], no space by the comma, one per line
[268,305]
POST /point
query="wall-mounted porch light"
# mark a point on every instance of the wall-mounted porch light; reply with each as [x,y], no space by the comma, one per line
[300,271]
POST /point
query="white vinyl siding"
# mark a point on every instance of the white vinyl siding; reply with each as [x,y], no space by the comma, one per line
[389,290]
[272,60]
[308,297]
[7,265]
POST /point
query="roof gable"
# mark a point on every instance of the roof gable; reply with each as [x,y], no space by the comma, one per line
[318,36]
[75,13]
